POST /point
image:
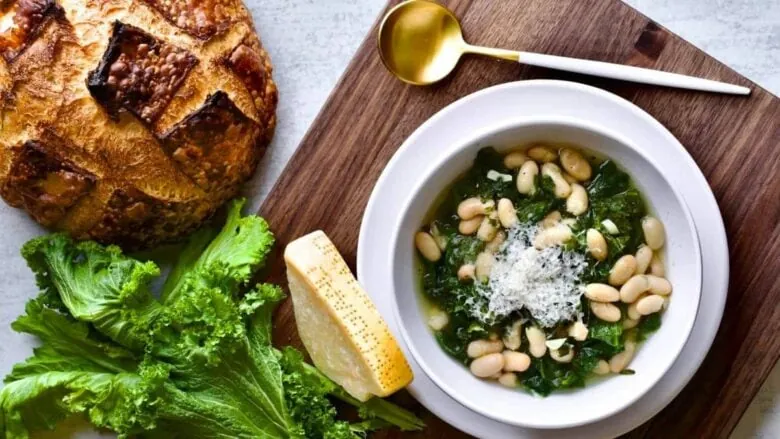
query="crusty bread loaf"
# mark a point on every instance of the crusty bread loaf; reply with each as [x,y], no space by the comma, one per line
[130,121]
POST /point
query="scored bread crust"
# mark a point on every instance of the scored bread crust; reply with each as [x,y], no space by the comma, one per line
[130,121]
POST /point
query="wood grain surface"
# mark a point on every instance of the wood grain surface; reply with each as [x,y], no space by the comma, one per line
[735,141]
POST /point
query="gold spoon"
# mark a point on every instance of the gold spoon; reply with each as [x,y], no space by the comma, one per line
[421,42]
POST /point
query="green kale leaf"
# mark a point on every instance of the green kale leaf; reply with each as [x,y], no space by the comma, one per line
[648,326]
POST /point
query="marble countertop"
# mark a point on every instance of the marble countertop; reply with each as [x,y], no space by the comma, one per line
[311,43]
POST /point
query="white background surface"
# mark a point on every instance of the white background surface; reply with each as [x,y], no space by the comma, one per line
[311,42]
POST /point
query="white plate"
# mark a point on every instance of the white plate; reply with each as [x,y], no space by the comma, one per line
[601,398]
[460,120]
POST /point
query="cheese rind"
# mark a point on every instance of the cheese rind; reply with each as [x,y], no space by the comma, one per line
[346,337]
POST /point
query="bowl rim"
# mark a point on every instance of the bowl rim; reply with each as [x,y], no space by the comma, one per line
[476,138]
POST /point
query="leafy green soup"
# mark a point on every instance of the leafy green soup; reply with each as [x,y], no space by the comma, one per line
[541,268]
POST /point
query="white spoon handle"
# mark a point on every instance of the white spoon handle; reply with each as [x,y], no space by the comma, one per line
[629,73]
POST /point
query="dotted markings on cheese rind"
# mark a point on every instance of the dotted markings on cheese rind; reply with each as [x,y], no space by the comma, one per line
[374,339]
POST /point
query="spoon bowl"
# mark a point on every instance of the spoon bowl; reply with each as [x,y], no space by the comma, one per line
[420,42]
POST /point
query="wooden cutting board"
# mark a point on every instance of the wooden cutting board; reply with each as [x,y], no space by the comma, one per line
[735,141]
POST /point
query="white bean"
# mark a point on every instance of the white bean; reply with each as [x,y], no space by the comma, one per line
[438,319]
[537,345]
[526,178]
[555,354]
[466,272]
[632,313]
[470,226]
[516,361]
[514,160]
[553,236]
[562,188]
[654,232]
[542,154]
[508,379]
[657,266]
[605,311]
[633,288]
[649,304]
[479,348]
[471,207]
[621,272]
[506,213]
[578,331]
[630,323]
[569,179]
[512,338]
[620,361]
[577,203]
[487,230]
[441,241]
[495,244]
[575,164]
[571,222]
[643,257]
[597,245]
[427,246]
[483,265]
[487,365]
[551,220]
[659,285]
[602,293]
[602,368]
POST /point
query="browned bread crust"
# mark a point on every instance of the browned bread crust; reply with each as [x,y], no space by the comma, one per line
[130,121]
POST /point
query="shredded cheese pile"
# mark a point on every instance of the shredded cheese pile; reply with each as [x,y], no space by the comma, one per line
[545,282]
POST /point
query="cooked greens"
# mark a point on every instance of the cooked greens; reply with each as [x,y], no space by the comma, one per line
[614,208]
[197,363]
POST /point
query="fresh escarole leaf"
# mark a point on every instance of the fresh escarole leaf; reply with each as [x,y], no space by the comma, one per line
[97,284]
[123,402]
[73,371]
[306,399]
[240,248]
[376,412]
[199,365]
[67,344]
[226,376]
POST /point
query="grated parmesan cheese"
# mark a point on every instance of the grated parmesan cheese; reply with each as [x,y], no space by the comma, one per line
[545,282]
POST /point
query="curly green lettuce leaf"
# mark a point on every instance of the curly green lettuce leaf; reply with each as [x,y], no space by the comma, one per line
[378,412]
[226,374]
[66,344]
[240,249]
[97,284]
[123,402]
[198,365]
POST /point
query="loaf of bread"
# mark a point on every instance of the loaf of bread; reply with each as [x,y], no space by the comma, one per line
[130,121]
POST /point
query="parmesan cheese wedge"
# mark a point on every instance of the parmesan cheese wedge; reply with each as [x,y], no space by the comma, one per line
[341,328]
